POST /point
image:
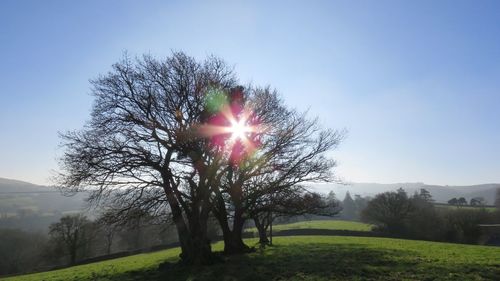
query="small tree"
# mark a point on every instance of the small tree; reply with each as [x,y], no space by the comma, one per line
[425,195]
[462,201]
[462,225]
[108,227]
[291,151]
[20,251]
[348,207]
[305,203]
[74,233]
[389,211]
[361,203]
[453,201]
[477,201]
[497,199]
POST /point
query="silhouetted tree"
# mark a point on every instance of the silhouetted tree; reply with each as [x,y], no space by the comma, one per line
[348,207]
[74,233]
[477,201]
[425,195]
[305,203]
[462,225]
[497,199]
[109,227]
[146,147]
[389,211]
[140,147]
[417,218]
[360,203]
[462,201]
[453,201]
[291,150]
[20,251]
[424,221]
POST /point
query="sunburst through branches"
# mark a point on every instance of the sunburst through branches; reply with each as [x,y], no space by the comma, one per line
[232,127]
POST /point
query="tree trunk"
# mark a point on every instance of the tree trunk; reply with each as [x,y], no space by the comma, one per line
[195,247]
[109,241]
[263,240]
[72,253]
[73,247]
[72,258]
[201,250]
[270,221]
[233,242]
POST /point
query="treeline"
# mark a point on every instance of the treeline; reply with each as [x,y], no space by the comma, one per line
[352,207]
[114,232]
[29,221]
[75,238]
[416,217]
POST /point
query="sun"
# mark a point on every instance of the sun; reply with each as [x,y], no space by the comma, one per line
[233,131]
[239,129]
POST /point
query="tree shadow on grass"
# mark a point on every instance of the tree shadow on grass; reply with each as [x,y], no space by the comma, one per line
[323,262]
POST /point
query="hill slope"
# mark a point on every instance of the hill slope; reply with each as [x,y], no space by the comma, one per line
[307,258]
[33,207]
[40,198]
[328,224]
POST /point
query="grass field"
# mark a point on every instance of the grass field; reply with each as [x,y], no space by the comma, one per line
[322,224]
[308,258]
[467,207]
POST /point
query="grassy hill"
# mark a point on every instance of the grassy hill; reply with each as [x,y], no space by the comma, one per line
[307,258]
[321,224]
[466,207]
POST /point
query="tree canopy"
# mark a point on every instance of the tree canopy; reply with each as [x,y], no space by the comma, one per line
[182,139]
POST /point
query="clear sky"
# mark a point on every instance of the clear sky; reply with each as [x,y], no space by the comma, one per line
[416,83]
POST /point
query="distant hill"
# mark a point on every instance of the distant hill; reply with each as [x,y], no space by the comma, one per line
[9,185]
[15,194]
[439,193]
[30,206]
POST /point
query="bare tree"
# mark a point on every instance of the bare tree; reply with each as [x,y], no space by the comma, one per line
[497,199]
[74,232]
[425,195]
[462,201]
[140,147]
[453,201]
[155,143]
[109,226]
[477,201]
[297,201]
[292,150]
[389,211]
[348,207]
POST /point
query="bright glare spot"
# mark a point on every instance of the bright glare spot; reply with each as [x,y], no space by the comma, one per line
[239,129]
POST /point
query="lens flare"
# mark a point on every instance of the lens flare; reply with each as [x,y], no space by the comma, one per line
[234,132]
[239,129]
[232,128]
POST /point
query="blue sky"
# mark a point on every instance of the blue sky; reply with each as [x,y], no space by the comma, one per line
[416,83]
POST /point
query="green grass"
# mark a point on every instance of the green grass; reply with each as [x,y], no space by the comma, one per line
[308,258]
[322,224]
[466,207]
